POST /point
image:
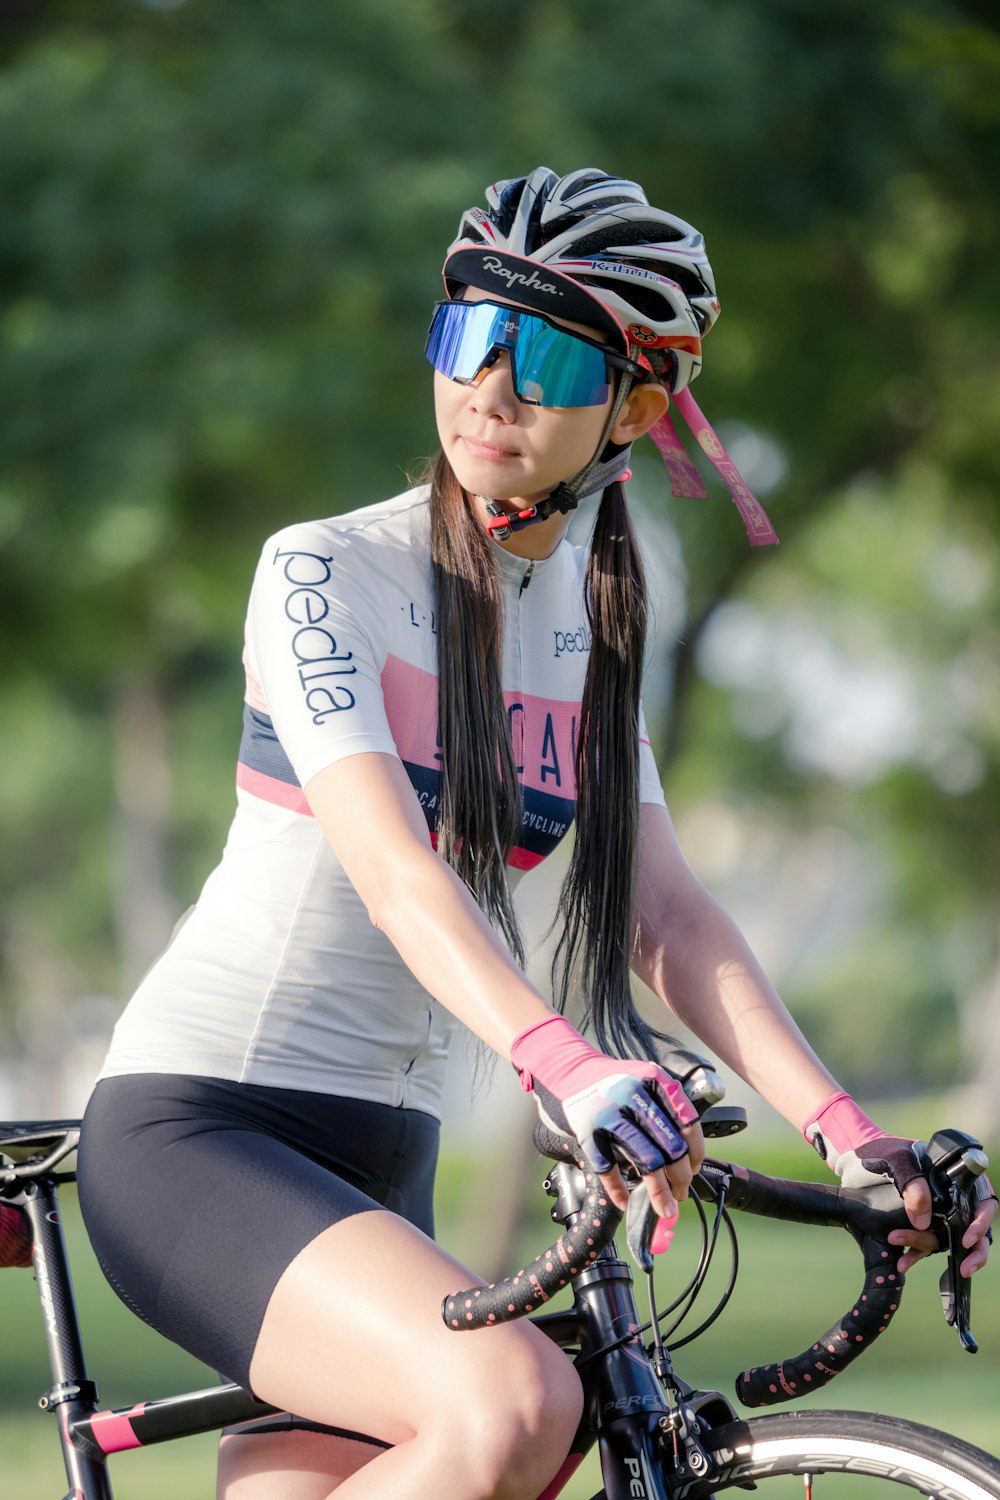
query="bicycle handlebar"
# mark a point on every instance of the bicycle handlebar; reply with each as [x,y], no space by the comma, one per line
[868,1216]
[548,1273]
[953,1161]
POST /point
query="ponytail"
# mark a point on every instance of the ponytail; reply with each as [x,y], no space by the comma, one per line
[480,811]
[597,897]
[479,817]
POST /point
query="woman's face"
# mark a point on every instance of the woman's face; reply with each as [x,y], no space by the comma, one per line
[503,448]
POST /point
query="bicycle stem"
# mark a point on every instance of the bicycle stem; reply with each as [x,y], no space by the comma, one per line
[639,1413]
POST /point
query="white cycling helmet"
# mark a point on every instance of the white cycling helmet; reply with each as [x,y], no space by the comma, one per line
[610,259]
[589,248]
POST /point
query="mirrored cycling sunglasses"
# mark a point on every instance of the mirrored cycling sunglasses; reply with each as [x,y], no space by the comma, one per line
[550,366]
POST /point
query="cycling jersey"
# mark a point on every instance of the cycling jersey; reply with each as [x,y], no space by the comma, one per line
[277,977]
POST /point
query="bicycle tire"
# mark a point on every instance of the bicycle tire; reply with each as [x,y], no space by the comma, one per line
[864,1445]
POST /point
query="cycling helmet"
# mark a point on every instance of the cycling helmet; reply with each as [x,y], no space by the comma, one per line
[639,274]
[589,247]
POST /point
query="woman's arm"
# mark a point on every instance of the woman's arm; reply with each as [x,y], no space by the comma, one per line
[370,815]
[693,956]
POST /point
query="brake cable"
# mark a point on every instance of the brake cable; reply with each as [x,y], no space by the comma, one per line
[690,1291]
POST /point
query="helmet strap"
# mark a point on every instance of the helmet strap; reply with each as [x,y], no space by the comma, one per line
[569,492]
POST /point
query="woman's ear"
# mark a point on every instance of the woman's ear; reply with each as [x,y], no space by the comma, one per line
[643,408]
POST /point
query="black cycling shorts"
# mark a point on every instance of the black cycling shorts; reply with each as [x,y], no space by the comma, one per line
[197,1194]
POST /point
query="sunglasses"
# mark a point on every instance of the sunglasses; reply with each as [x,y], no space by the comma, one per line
[549,365]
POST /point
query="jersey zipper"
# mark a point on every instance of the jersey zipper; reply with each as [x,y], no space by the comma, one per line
[527,578]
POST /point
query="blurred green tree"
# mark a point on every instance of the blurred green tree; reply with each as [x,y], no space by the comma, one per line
[221,236]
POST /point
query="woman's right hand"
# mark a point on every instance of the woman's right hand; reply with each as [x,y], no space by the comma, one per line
[619,1111]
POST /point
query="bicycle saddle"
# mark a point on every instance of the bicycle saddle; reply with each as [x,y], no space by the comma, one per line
[20,1138]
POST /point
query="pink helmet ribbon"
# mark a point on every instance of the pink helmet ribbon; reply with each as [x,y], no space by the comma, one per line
[685,480]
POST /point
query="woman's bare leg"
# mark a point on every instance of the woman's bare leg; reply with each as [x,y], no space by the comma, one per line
[353,1338]
[294,1465]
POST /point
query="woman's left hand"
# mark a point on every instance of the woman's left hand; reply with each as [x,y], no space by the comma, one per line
[919,1242]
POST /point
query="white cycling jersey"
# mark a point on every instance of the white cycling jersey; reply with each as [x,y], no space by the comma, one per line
[277,976]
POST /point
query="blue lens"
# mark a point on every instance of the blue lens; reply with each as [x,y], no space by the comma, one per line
[553,368]
[550,366]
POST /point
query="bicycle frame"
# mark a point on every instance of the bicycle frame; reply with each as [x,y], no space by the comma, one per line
[626,1408]
[658,1439]
[88,1435]
[625,1412]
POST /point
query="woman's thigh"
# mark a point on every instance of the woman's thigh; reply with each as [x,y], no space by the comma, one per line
[294,1465]
[353,1336]
[197,1194]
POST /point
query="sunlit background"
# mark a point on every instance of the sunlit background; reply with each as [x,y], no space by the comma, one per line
[221,228]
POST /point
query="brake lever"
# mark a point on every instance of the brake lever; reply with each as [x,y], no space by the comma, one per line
[640,1226]
[955,1164]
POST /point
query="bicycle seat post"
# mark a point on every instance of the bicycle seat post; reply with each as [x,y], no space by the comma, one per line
[72,1395]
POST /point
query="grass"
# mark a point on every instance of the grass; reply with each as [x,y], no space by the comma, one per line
[793,1283]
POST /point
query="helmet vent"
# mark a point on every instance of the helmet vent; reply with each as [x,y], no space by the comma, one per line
[508,204]
[649,303]
[624,233]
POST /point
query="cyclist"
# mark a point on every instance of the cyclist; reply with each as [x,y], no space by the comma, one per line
[437,686]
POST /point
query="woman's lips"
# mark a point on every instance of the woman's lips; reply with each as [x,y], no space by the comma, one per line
[490,451]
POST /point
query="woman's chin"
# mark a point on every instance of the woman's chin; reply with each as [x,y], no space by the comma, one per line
[489,480]
[486,479]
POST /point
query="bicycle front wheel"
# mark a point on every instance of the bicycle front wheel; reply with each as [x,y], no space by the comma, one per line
[826,1449]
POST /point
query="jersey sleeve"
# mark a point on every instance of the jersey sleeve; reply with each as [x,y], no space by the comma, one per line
[650,787]
[315,649]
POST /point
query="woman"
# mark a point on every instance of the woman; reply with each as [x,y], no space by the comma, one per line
[258,1155]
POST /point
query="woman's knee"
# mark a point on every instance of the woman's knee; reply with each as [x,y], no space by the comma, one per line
[517,1431]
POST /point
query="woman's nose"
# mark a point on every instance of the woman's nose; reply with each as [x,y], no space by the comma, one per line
[493,388]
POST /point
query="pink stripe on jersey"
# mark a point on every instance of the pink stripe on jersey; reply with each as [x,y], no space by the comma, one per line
[270,789]
[254,691]
[519,859]
[543,729]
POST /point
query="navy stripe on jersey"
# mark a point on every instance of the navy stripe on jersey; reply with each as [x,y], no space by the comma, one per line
[261,750]
[546,818]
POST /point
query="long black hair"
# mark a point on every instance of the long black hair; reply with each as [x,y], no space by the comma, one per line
[480,813]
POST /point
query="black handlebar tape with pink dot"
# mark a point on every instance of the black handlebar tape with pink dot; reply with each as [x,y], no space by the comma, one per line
[850,1336]
[535,1284]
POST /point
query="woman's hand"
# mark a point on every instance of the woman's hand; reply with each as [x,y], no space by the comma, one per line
[919,1242]
[618,1111]
[669,1184]
[861,1154]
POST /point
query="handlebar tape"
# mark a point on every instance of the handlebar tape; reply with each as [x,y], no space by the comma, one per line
[851,1335]
[873,1309]
[547,1274]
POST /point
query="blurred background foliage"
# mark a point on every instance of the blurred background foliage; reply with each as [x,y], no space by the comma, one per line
[221,233]
[220,237]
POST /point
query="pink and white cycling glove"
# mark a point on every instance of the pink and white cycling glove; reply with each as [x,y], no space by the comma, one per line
[856,1149]
[626,1110]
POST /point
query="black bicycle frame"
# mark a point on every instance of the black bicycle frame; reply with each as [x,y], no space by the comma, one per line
[88,1435]
[642,1432]
[626,1407]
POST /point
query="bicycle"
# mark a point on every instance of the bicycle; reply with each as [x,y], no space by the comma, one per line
[658,1438]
